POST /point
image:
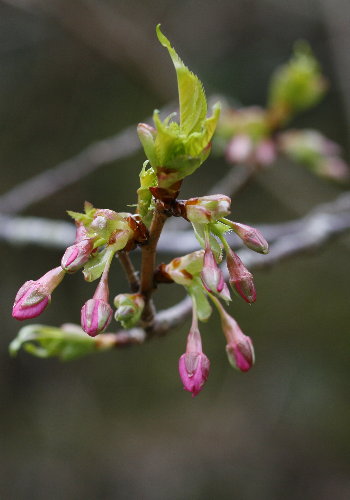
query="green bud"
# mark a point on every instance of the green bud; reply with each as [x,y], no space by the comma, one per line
[129,308]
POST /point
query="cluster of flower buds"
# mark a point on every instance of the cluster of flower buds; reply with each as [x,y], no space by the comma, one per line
[100,233]
[251,136]
[244,135]
[200,273]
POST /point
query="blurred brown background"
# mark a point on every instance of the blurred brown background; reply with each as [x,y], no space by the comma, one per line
[119,425]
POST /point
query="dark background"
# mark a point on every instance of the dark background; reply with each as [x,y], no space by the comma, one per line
[119,425]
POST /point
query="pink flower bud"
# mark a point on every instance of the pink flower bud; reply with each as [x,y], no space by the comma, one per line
[77,255]
[81,232]
[241,279]
[241,354]
[207,209]
[239,348]
[211,275]
[251,237]
[194,364]
[34,296]
[96,314]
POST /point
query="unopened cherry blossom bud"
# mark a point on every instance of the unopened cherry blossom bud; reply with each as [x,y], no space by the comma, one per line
[211,274]
[129,308]
[241,279]
[240,353]
[194,364]
[34,296]
[77,255]
[81,232]
[96,313]
[239,348]
[251,237]
[207,209]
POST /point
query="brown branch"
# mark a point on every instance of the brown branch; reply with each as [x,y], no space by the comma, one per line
[130,272]
[149,260]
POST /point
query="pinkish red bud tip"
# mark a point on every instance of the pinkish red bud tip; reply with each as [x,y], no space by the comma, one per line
[96,314]
[77,255]
[194,371]
[241,280]
[34,296]
[241,353]
[30,301]
[211,275]
[251,237]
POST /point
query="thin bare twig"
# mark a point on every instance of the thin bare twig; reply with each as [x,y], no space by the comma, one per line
[130,272]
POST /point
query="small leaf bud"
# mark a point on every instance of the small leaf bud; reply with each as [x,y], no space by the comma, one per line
[129,308]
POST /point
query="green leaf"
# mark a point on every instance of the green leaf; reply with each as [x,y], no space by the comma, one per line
[200,140]
[193,104]
[47,341]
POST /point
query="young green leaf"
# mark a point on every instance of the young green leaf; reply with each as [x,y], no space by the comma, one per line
[193,104]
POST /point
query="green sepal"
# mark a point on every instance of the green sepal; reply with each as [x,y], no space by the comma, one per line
[84,218]
[94,267]
[47,341]
[219,228]
[198,294]
[199,231]
[148,179]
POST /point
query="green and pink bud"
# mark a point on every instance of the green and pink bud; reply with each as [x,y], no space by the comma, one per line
[251,237]
[194,364]
[77,255]
[206,209]
[212,276]
[241,280]
[96,313]
[239,348]
[34,296]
